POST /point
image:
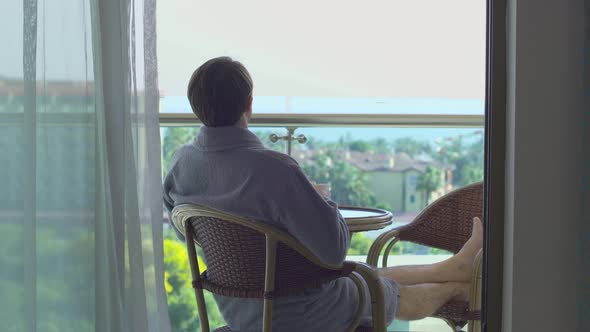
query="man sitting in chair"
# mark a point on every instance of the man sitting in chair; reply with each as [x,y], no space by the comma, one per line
[227,168]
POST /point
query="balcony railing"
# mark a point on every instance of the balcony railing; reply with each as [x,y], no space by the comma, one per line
[295,120]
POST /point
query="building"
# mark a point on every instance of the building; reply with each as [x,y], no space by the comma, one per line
[392,178]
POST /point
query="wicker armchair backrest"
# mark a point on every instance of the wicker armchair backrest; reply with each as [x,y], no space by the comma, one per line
[447,222]
[235,257]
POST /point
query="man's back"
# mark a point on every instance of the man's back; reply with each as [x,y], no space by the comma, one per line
[229,169]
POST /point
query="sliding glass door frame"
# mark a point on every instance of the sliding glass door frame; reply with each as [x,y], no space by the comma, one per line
[495,152]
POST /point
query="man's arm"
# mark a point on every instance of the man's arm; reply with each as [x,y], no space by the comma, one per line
[168,200]
[314,221]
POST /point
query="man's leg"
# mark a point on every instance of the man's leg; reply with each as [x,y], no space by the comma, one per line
[455,269]
[423,289]
[420,301]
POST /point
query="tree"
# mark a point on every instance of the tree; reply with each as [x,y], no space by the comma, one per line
[358,145]
[411,146]
[182,306]
[359,244]
[465,160]
[384,206]
[380,145]
[348,183]
[174,138]
[428,182]
[471,173]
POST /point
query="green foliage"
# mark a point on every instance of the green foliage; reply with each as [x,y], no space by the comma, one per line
[384,206]
[411,146]
[64,265]
[361,146]
[182,306]
[466,159]
[436,251]
[378,145]
[429,181]
[470,174]
[409,248]
[359,244]
[464,156]
[174,138]
[348,183]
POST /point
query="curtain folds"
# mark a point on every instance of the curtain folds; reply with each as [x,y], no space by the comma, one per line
[80,202]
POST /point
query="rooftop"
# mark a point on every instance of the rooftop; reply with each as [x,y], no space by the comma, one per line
[369,161]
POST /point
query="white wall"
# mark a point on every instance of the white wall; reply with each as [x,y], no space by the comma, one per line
[544,165]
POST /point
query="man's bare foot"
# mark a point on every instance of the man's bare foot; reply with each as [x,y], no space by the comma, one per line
[475,242]
[465,258]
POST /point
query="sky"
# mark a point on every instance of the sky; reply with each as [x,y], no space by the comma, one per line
[330,48]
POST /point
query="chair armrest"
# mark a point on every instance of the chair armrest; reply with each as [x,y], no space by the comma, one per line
[371,277]
[476,288]
[380,242]
[475,300]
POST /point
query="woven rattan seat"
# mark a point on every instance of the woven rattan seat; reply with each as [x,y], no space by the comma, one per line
[358,329]
[250,259]
[223,329]
[444,224]
[236,262]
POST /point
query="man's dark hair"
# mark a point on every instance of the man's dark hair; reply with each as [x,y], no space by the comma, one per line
[219,91]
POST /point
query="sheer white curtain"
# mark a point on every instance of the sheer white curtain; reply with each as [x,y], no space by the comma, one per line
[80,189]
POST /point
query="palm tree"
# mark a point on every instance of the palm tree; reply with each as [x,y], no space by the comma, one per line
[428,182]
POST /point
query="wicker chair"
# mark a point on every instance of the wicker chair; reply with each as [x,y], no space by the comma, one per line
[444,224]
[250,259]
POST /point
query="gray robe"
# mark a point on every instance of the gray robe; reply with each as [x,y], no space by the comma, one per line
[229,169]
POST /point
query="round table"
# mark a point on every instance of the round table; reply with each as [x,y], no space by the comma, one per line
[361,219]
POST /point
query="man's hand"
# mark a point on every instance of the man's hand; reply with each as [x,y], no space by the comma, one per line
[322,188]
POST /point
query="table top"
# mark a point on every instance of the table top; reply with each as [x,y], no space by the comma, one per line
[360,219]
